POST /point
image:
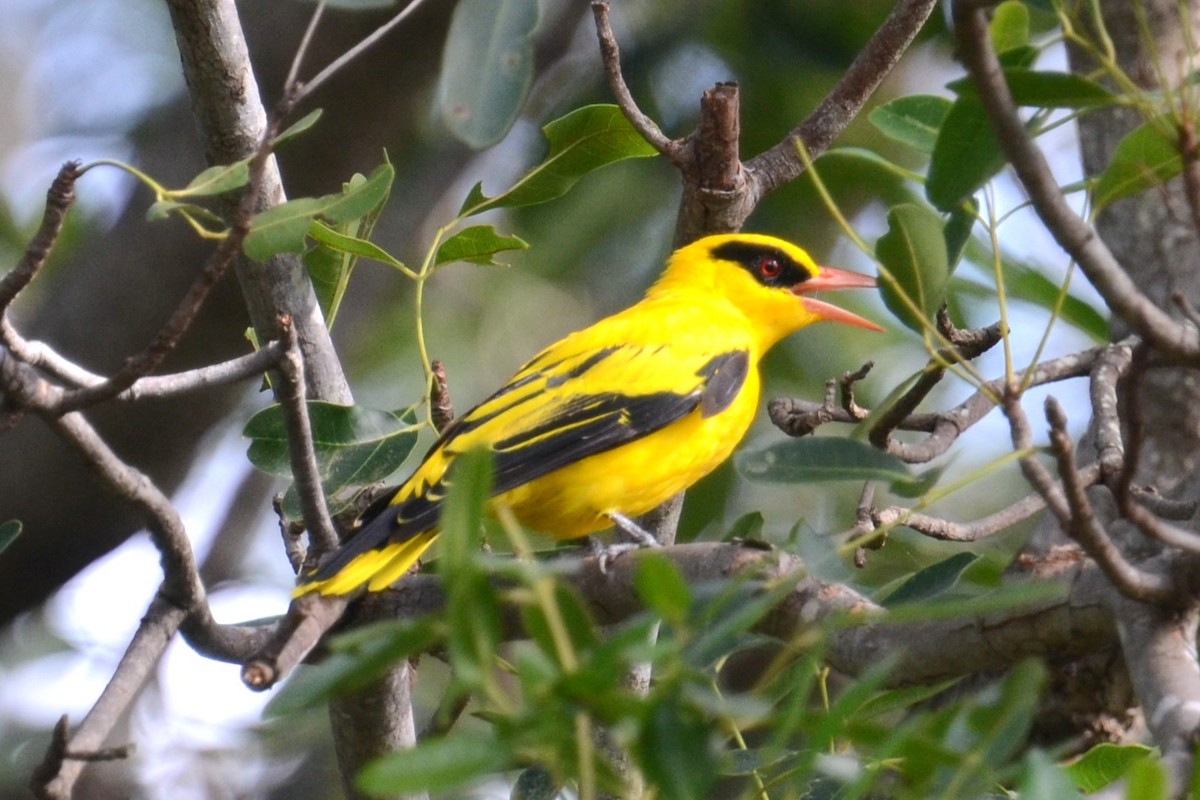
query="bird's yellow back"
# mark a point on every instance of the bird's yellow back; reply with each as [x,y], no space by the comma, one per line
[617,417]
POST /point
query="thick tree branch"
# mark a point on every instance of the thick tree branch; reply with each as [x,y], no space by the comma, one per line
[1074,623]
[233,124]
[1160,651]
[1120,292]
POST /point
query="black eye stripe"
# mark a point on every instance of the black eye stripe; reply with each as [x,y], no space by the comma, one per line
[754,258]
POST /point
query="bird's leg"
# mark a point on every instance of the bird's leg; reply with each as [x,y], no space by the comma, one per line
[605,555]
[644,537]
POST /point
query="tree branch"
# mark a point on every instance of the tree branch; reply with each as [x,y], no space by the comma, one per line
[59,198]
[797,417]
[233,125]
[322,536]
[1077,622]
[56,777]
[948,531]
[1119,291]
[610,55]
[1070,505]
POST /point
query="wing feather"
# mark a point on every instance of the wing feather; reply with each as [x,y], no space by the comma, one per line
[557,410]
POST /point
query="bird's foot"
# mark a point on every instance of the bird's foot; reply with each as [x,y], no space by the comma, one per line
[643,537]
[605,555]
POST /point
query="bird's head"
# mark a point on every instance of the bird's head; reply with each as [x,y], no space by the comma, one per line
[768,279]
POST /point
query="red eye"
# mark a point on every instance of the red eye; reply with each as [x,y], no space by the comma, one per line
[769,267]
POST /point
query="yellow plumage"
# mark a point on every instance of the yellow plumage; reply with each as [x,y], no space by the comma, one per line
[618,417]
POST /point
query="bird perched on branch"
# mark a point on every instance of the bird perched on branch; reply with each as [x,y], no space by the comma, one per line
[612,420]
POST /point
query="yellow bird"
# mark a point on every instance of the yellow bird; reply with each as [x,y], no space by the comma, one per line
[612,420]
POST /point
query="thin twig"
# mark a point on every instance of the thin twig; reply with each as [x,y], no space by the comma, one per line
[1119,290]
[1112,365]
[322,536]
[1189,150]
[304,89]
[302,48]
[181,581]
[165,341]
[45,358]
[797,417]
[1079,520]
[846,387]
[59,198]
[964,346]
[610,54]
[158,625]
[439,396]
[949,531]
[308,619]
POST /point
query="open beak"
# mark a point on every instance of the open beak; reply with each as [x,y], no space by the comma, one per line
[829,280]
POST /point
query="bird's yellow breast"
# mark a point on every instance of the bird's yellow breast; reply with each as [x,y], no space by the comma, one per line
[635,478]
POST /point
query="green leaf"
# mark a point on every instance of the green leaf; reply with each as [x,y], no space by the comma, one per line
[1009,27]
[676,751]
[913,251]
[1105,763]
[824,458]
[354,445]
[163,209]
[1002,720]
[472,609]
[360,195]
[477,244]
[487,68]
[1145,157]
[1046,89]
[906,697]
[957,232]
[281,228]
[438,765]
[1020,57]
[880,166]
[1147,780]
[1042,779]
[661,588]
[358,658]
[345,243]
[965,156]
[931,581]
[9,531]
[216,180]
[913,120]
[469,487]
[580,142]
[326,268]
[298,127]
[284,228]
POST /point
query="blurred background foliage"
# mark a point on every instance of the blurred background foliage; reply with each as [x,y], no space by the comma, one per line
[100,79]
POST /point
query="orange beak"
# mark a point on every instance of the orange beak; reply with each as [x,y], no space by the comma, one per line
[828,280]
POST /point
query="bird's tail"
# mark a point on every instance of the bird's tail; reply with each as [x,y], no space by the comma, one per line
[378,569]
